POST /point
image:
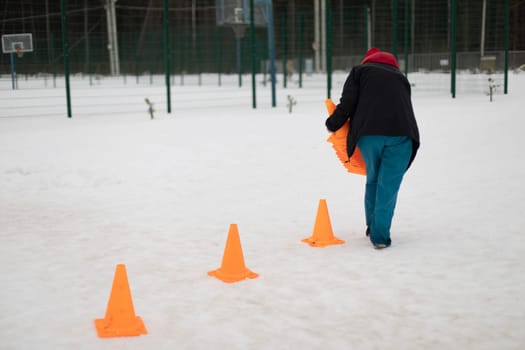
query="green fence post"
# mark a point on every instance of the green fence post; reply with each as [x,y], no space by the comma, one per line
[507,35]
[301,29]
[285,48]
[137,58]
[453,48]
[65,49]
[173,59]
[198,54]
[328,48]
[123,55]
[252,49]
[218,45]
[365,28]
[88,58]
[406,38]
[182,57]
[167,54]
[395,23]
[271,50]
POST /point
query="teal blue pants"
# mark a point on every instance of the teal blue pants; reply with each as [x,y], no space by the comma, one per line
[386,159]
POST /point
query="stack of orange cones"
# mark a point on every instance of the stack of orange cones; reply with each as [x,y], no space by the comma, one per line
[323,235]
[120,319]
[233,268]
[355,164]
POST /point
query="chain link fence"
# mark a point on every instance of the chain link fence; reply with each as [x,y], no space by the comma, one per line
[315,36]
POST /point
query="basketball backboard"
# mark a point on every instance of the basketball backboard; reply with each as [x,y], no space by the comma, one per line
[17,43]
[237,12]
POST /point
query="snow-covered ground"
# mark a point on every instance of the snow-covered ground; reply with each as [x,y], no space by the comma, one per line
[79,196]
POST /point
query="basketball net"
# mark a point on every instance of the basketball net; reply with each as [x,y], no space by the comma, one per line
[19,52]
[239,29]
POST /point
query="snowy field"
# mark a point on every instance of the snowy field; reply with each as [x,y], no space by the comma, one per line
[79,196]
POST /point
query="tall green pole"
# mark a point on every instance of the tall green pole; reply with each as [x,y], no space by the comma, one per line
[86,38]
[365,28]
[53,60]
[301,29]
[182,57]
[137,58]
[406,38]
[252,49]
[65,49]
[199,56]
[167,55]
[285,48]
[88,57]
[394,27]
[218,42]
[507,44]
[328,48]
[271,49]
[453,48]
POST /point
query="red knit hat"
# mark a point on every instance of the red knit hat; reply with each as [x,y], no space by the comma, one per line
[378,56]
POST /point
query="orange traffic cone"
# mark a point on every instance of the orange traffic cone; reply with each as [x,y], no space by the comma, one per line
[323,235]
[120,320]
[355,164]
[233,268]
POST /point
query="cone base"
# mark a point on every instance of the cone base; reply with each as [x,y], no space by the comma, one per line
[106,330]
[232,277]
[320,244]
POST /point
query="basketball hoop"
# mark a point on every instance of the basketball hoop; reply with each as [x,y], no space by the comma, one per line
[239,29]
[16,43]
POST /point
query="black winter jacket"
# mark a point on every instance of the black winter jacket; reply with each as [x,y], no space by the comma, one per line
[376,98]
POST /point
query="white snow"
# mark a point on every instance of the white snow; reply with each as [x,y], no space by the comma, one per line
[79,196]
